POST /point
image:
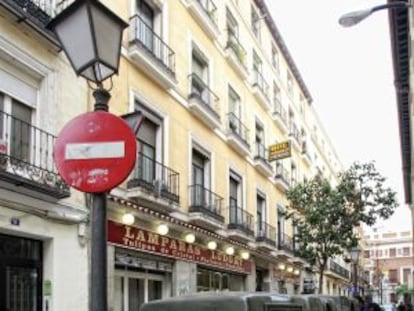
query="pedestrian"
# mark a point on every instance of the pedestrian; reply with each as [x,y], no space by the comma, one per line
[370,305]
[401,307]
[361,302]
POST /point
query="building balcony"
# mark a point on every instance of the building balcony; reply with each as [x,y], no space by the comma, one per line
[280,115]
[294,136]
[151,54]
[266,236]
[261,160]
[285,245]
[26,160]
[282,178]
[236,55]
[205,208]
[261,90]
[336,270]
[154,185]
[306,154]
[203,103]
[240,225]
[238,135]
[36,14]
[205,13]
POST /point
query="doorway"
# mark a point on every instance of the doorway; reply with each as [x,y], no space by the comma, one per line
[132,289]
[20,274]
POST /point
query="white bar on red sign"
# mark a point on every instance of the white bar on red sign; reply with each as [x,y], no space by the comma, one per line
[101,150]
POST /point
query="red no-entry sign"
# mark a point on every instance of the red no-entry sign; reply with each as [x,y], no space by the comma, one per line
[95,152]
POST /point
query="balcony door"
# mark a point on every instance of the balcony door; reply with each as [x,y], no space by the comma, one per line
[261,215]
[15,129]
[200,179]
[147,149]
[199,82]
[280,225]
[236,210]
[146,26]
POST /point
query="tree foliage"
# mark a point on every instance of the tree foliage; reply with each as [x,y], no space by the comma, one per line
[325,216]
[404,290]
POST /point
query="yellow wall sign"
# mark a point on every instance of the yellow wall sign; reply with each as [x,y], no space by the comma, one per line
[279,151]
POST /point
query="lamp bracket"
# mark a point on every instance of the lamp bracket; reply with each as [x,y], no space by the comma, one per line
[102,97]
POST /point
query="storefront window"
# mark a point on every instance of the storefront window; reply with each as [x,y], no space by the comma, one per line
[209,280]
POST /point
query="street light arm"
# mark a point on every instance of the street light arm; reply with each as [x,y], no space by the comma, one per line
[353,18]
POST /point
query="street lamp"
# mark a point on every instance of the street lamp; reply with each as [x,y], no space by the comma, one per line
[90,35]
[353,18]
[354,252]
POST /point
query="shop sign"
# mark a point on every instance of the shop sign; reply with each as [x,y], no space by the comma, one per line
[152,242]
[279,151]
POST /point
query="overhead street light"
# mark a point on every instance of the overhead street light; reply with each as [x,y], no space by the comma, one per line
[353,18]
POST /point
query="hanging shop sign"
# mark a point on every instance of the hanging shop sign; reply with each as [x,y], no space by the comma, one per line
[154,243]
[279,151]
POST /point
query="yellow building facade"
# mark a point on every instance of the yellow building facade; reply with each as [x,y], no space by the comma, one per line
[218,87]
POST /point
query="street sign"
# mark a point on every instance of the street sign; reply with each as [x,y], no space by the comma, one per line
[279,151]
[95,152]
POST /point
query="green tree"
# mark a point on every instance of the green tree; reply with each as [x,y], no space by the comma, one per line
[404,291]
[325,215]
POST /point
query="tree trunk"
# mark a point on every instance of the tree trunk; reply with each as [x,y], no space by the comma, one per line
[321,271]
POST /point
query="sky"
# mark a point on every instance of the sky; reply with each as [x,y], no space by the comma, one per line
[348,72]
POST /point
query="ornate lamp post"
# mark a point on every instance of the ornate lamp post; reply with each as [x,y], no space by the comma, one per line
[90,35]
[355,251]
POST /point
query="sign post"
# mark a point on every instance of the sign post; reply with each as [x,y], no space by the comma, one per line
[94,153]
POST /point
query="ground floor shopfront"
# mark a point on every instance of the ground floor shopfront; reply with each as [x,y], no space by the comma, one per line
[144,265]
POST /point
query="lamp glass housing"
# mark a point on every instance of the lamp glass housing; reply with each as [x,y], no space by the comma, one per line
[353,18]
[90,35]
[355,250]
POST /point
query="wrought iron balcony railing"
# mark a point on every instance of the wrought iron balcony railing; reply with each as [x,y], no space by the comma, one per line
[156,177]
[285,242]
[41,11]
[240,219]
[279,111]
[261,83]
[294,132]
[234,44]
[261,152]
[282,173]
[145,37]
[210,8]
[205,201]
[26,157]
[237,127]
[266,233]
[201,91]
